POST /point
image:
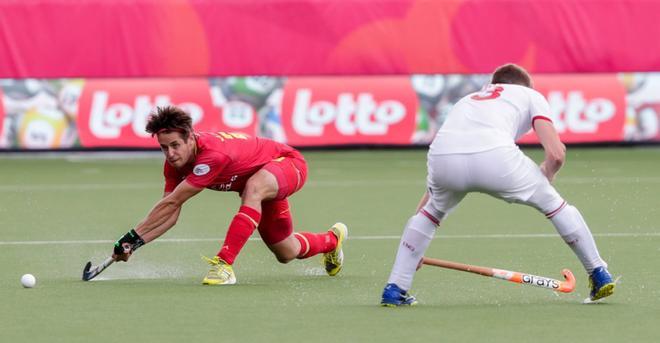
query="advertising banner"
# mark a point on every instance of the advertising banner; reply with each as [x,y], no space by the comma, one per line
[39,114]
[113,113]
[310,111]
[3,134]
[367,110]
[643,103]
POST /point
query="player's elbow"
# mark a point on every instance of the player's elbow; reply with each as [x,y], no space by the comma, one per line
[559,157]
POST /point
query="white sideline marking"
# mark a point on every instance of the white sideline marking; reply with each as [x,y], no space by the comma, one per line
[310,184]
[194,240]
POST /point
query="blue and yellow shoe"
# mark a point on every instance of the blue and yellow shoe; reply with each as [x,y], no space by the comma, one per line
[333,260]
[394,296]
[601,284]
[221,272]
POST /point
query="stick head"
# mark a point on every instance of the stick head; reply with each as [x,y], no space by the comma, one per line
[568,285]
[86,274]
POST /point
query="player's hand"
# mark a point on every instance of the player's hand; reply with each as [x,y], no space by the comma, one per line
[124,254]
[548,174]
[126,245]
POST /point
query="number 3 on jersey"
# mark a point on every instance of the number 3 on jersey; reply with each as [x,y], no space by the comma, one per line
[491,92]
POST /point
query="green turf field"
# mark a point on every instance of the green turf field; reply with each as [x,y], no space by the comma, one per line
[57,213]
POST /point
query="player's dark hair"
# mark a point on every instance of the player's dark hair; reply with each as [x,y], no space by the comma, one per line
[167,119]
[512,74]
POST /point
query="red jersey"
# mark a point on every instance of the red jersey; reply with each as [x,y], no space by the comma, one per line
[225,161]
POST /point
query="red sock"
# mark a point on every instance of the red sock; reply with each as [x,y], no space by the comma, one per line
[240,229]
[315,243]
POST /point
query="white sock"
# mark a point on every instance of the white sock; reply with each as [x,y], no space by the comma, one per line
[415,240]
[572,228]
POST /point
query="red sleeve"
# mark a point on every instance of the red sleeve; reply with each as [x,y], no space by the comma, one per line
[172,178]
[208,165]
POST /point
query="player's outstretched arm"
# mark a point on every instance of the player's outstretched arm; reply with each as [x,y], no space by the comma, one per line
[165,212]
[555,150]
[161,218]
[162,228]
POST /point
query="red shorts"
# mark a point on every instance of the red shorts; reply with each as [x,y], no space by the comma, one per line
[276,223]
[290,172]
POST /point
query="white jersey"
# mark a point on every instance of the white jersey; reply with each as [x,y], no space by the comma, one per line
[494,117]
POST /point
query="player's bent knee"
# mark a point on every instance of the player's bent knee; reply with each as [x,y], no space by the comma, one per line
[251,192]
[431,213]
[286,250]
[545,199]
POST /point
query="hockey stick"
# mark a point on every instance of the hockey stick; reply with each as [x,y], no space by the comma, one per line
[528,279]
[91,272]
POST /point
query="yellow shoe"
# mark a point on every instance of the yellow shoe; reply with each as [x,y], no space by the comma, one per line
[333,260]
[221,273]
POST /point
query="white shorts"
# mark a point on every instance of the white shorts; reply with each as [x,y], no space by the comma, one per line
[505,173]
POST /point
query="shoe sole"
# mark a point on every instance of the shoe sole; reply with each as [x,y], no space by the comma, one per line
[604,291]
[395,305]
[212,283]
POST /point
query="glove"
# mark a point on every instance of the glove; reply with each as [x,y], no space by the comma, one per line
[126,245]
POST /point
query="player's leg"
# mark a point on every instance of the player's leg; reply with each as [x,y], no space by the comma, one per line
[276,230]
[261,186]
[416,238]
[421,227]
[276,226]
[514,177]
[571,226]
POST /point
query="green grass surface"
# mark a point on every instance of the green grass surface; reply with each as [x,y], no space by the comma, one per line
[56,214]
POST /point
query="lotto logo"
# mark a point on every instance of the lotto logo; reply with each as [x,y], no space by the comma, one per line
[580,115]
[349,110]
[108,119]
[584,108]
[351,114]
[115,112]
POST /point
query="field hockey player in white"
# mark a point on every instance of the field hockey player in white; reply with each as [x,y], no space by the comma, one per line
[475,151]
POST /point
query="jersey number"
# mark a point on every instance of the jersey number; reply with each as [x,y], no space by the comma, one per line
[230,135]
[489,93]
